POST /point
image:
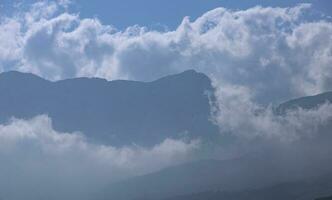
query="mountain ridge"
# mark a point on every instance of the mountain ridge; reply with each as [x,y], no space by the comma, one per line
[117,112]
[306,102]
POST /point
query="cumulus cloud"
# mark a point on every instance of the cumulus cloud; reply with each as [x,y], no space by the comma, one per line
[254,57]
[276,53]
[35,159]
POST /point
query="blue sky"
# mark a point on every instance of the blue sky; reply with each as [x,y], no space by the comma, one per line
[170,13]
[254,56]
[278,51]
[159,14]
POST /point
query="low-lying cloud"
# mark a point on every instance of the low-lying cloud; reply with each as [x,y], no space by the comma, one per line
[255,57]
[38,162]
[288,147]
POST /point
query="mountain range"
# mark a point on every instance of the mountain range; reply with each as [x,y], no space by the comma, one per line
[114,112]
[124,112]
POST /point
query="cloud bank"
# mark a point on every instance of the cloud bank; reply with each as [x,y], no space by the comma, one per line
[35,159]
[275,53]
[254,57]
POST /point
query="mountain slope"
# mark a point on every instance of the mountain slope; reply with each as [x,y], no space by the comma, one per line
[284,191]
[272,171]
[214,180]
[307,102]
[114,112]
[193,177]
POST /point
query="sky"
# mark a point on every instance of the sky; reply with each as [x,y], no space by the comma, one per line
[160,14]
[256,56]
[275,51]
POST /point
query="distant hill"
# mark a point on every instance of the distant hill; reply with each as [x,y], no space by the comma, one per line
[193,177]
[113,112]
[217,180]
[284,191]
[307,102]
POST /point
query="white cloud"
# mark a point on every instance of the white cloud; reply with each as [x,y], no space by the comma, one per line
[35,159]
[11,41]
[277,53]
[247,120]
[258,55]
[295,146]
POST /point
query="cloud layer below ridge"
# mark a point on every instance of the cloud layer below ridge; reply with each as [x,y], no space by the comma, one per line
[254,57]
[36,159]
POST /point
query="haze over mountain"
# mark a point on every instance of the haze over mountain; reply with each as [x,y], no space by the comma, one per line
[114,112]
[308,102]
[186,112]
[176,106]
[306,190]
[269,171]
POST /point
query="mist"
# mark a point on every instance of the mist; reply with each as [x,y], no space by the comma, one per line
[38,162]
[256,59]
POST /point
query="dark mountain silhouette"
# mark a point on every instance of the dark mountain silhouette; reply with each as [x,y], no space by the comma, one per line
[307,102]
[113,112]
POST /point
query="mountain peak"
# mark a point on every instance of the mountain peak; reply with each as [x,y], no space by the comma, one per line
[188,77]
[26,75]
[307,102]
[190,71]
[17,74]
[19,79]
